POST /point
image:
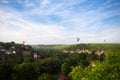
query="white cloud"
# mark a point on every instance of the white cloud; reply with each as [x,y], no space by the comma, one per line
[4,1]
[45,2]
[15,28]
[109,1]
[111,35]
[86,24]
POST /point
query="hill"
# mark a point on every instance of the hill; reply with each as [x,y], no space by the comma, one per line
[95,46]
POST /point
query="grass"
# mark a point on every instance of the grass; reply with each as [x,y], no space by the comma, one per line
[96,46]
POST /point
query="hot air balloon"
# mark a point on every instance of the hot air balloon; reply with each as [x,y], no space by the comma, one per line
[104,41]
[23,42]
[78,39]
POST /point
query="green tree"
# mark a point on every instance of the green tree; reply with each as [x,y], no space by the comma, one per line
[26,71]
[65,68]
[6,71]
[113,57]
[102,57]
[83,59]
[44,76]
[77,73]
[16,59]
[92,56]
[107,70]
[27,58]
[50,65]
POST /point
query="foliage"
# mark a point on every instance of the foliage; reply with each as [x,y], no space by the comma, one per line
[53,62]
[16,59]
[113,57]
[50,65]
[26,71]
[95,46]
[93,56]
[65,68]
[77,73]
[6,71]
[107,70]
[44,76]
[27,58]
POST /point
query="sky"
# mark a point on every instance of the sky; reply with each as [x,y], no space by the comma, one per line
[60,21]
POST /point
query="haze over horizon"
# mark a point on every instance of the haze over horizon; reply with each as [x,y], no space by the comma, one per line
[60,21]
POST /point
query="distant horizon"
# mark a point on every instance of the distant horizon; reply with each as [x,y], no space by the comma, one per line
[61,44]
[60,21]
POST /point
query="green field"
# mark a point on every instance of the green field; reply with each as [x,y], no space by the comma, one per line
[96,46]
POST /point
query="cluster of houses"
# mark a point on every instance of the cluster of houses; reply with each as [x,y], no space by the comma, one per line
[17,52]
[98,52]
[5,51]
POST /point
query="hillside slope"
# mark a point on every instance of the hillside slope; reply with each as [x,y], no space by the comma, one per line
[95,46]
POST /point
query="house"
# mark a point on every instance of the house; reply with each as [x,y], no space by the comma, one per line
[13,52]
[88,51]
[65,51]
[93,64]
[7,52]
[36,56]
[2,52]
[99,52]
[12,47]
[25,53]
[71,51]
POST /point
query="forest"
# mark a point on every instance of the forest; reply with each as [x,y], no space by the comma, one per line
[55,64]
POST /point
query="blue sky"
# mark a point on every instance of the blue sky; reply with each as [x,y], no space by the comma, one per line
[60,21]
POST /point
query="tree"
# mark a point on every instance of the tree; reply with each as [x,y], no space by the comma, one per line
[113,57]
[27,58]
[26,71]
[65,68]
[107,70]
[77,73]
[92,56]
[6,71]
[50,65]
[102,57]
[83,59]
[44,76]
[16,59]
